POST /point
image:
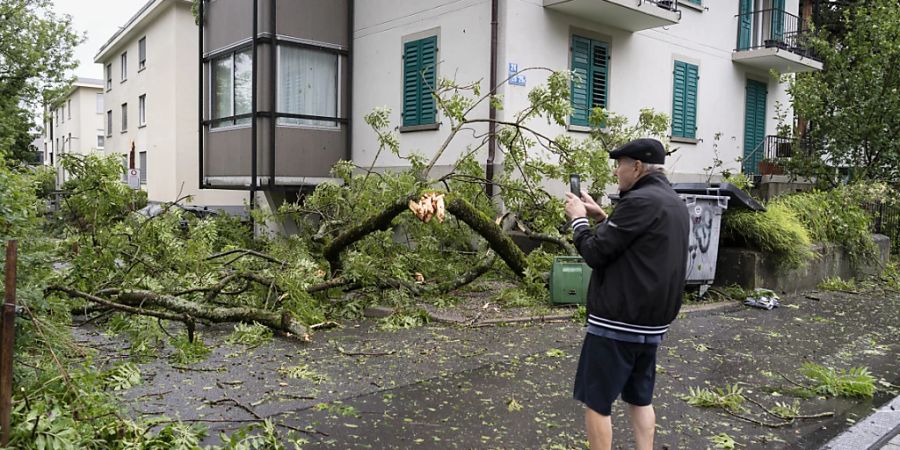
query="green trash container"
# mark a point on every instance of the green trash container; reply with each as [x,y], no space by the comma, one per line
[569,280]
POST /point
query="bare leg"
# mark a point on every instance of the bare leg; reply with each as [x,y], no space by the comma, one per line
[643,422]
[599,429]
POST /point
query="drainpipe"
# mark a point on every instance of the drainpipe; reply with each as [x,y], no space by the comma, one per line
[492,111]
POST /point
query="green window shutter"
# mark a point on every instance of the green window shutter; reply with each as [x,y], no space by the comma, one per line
[778,20]
[684,100]
[599,74]
[745,24]
[419,78]
[411,83]
[754,125]
[696,2]
[690,101]
[678,97]
[581,83]
[590,62]
[427,79]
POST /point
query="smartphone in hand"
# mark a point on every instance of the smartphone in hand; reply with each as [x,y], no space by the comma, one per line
[575,184]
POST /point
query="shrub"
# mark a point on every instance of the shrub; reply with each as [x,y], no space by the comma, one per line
[777,231]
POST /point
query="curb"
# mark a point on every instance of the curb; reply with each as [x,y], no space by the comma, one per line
[879,430]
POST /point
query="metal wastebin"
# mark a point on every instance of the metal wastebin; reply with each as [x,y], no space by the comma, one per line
[569,279]
[705,213]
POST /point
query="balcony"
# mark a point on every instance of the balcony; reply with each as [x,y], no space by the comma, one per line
[773,39]
[630,15]
[765,158]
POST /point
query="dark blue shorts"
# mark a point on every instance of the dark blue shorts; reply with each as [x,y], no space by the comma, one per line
[608,367]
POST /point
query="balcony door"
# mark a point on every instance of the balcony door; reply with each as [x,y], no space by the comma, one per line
[754,125]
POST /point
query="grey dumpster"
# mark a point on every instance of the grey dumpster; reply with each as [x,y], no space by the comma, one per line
[705,213]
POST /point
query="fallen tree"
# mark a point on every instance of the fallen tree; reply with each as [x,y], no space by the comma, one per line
[356,236]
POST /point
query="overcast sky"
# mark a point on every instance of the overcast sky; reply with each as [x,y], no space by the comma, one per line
[100,19]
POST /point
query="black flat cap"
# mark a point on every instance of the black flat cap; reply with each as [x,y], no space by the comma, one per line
[644,149]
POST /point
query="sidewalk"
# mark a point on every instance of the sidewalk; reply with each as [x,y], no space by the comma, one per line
[881,430]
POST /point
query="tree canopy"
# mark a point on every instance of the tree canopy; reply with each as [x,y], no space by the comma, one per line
[853,105]
[36,52]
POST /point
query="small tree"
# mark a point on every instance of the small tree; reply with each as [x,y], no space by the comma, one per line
[853,105]
[36,52]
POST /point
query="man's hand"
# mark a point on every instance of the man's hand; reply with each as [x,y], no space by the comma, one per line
[594,210]
[575,208]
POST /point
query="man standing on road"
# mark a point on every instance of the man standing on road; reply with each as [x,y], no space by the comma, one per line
[639,258]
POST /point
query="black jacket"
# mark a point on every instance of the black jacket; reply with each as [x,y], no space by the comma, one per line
[639,259]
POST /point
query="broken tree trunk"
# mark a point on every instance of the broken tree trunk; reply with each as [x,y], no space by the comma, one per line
[506,249]
[279,321]
[379,222]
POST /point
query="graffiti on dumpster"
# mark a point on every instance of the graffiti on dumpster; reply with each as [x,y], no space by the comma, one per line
[700,258]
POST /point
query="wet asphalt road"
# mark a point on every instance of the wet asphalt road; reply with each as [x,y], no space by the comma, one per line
[510,386]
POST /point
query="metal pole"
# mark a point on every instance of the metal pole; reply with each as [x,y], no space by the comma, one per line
[7,341]
[200,96]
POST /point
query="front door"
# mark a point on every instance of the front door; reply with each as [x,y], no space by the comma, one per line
[754,126]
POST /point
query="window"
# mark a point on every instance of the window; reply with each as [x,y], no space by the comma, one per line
[100,104]
[142,110]
[142,53]
[56,113]
[143,160]
[684,100]
[101,141]
[109,123]
[109,76]
[590,88]
[231,89]
[69,140]
[419,76]
[124,65]
[307,85]
[62,114]
[69,111]
[124,117]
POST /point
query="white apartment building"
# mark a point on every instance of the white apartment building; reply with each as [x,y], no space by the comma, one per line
[150,95]
[321,66]
[74,124]
[704,63]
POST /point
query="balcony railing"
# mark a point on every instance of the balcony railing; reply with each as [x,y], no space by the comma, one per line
[671,5]
[772,28]
[763,159]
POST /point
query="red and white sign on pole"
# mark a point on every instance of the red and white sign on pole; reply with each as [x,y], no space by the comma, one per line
[134,180]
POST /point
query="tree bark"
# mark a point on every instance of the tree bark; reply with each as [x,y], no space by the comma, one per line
[508,251]
[126,301]
[379,222]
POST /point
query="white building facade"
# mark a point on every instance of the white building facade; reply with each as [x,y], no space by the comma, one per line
[74,124]
[150,95]
[706,64]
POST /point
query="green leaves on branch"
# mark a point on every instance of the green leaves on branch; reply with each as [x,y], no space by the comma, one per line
[853,105]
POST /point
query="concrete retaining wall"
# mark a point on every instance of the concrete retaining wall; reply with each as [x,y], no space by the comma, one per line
[751,269]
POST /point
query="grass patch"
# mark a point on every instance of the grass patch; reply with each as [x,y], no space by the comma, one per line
[187,352]
[402,321]
[837,284]
[250,336]
[856,382]
[730,398]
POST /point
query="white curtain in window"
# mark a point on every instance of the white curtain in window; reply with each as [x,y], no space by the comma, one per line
[223,89]
[243,84]
[307,84]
